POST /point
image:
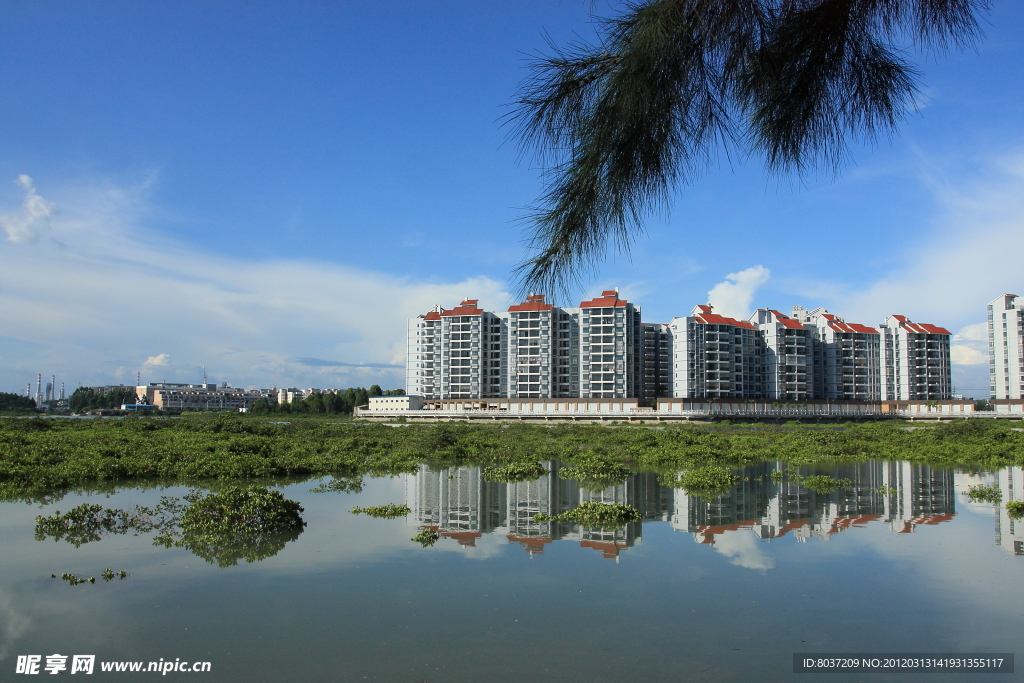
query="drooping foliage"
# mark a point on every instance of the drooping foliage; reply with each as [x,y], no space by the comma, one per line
[621,122]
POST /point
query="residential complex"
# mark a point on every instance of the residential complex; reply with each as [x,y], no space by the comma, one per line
[1006,347]
[602,349]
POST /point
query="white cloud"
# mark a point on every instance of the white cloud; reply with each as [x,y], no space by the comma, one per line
[970,345]
[743,549]
[733,297]
[24,226]
[972,256]
[961,354]
[977,332]
[117,288]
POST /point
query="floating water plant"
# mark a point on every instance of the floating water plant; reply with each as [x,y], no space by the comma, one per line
[515,472]
[985,493]
[109,575]
[389,511]
[595,515]
[705,482]
[426,537]
[823,483]
[340,485]
[239,522]
[1015,508]
[595,473]
[74,580]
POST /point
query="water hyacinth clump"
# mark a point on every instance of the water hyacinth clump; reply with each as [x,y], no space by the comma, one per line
[595,515]
[984,493]
[389,511]
[239,522]
[705,482]
[74,580]
[427,537]
[823,483]
[514,472]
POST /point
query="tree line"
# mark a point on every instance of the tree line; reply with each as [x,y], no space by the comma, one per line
[85,398]
[16,403]
[342,402]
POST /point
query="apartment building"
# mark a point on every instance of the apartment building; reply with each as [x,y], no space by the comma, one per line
[532,362]
[914,361]
[788,364]
[846,357]
[1006,347]
[657,360]
[611,348]
[455,353]
[715,356]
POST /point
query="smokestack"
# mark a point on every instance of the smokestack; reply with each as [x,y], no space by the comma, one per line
[39,389]
[62,391]
[28,390]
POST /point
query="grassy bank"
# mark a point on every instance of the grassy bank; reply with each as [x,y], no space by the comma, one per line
[39,454]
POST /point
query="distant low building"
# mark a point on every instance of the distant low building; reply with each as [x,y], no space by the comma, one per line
[385,404]
[173,396]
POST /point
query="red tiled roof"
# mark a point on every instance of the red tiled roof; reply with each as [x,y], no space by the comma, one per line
[704,308]
[715,319]
[534,302]
[852,327]
[468,307]
[433,315]
[608,299]
[919,328]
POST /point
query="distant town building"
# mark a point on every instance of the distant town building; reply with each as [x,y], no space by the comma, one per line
[1006,347]
[175,396]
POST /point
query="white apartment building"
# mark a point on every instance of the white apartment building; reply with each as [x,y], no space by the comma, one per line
[714,356]
[611,348]
[788,364]
[846,356]
[1006,347]
[532,361]
[915,361]
[454,353]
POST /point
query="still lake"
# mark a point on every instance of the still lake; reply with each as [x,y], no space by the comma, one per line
[700,590]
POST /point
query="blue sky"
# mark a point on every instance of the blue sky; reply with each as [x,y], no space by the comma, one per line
[270,189]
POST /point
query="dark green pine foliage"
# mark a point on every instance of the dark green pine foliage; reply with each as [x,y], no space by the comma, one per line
[621,123]
[15,403]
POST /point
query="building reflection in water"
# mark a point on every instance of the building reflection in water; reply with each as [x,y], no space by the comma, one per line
[1009,531]
[460,505]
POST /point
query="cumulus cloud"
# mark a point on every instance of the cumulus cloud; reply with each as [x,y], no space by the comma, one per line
[960,354]
[971,256]
[743,549]
[970,345]
[24,226]
[250,322]
[733,297]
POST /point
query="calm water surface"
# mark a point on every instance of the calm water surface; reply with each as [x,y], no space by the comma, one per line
[721,590]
